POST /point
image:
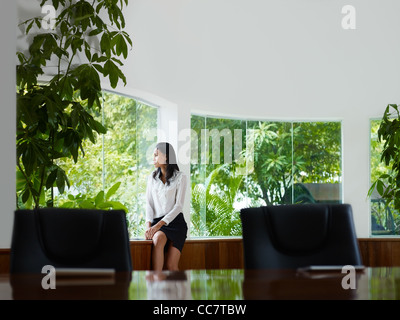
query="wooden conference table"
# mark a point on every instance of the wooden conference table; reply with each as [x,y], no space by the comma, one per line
[381,283]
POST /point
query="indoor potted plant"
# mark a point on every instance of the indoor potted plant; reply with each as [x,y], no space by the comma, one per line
[55,108]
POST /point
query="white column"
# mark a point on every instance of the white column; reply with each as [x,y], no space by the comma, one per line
[8,18]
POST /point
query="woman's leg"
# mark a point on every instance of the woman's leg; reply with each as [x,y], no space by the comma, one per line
[159,241]
[173,257]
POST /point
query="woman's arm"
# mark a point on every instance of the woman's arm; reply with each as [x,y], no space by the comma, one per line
[180,198]
[151,230]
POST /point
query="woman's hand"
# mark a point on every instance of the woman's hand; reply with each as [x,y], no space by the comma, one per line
[147,233]
[151,231]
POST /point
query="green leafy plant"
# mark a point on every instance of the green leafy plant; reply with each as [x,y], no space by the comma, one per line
[100,201]
[387,184]
[59,90]
[212,204]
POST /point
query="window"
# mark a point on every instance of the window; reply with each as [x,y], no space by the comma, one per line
[237,163]
[385,220]
[120,156]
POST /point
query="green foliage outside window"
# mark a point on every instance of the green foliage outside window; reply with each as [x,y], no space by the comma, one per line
[117,165]
[284,162]
[385,218]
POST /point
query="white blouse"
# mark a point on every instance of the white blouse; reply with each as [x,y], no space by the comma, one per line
[165,200]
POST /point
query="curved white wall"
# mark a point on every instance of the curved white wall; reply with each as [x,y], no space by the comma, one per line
[281,59]
[257,59]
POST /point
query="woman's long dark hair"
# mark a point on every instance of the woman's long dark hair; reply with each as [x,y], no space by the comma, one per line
[172,165]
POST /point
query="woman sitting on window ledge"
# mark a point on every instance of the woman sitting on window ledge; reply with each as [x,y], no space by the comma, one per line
[165,223]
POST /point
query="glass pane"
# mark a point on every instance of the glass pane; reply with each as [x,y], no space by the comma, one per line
[317,162]
[146,140]
[128,148]
[217,185]
[385,220]
[119,146]
[121,156]
[270,159]
[272,176]
[197,177]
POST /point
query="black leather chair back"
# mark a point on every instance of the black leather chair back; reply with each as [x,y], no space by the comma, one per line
[69,238]
[299,235]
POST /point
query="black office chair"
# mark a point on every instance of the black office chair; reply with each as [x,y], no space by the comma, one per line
[69,238]
[299,235]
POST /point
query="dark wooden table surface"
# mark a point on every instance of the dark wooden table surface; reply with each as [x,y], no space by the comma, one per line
[381,283]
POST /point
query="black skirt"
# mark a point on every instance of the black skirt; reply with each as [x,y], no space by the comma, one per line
[175,231]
